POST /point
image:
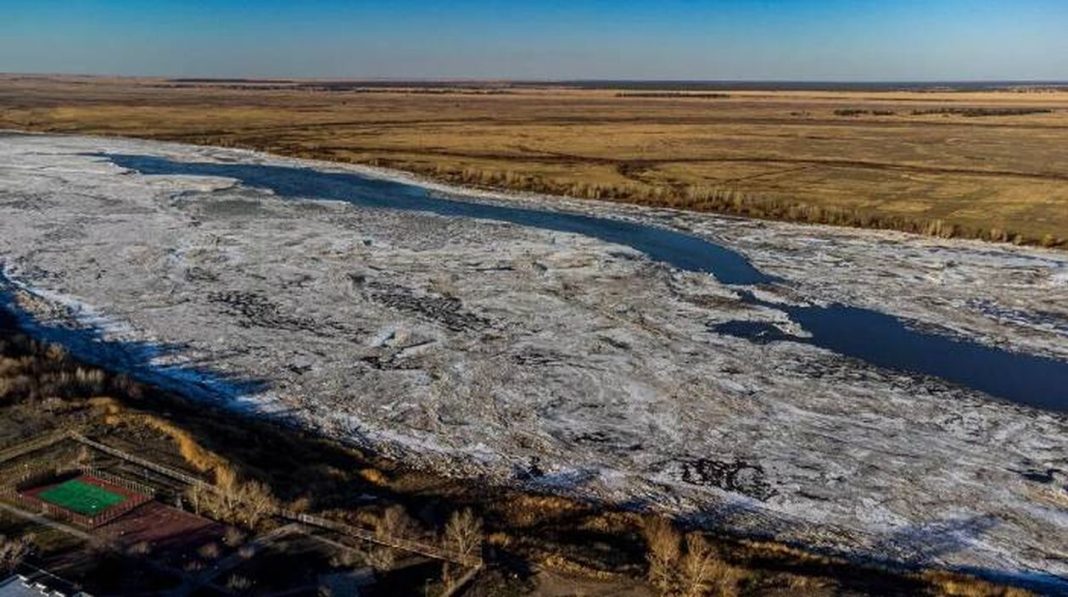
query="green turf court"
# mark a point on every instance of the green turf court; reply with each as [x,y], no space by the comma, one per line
[81,497]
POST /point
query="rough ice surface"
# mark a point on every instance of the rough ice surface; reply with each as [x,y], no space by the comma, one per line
[559,361]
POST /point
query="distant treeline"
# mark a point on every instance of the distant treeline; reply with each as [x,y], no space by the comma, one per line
[856,112]
[342,84]
[662,94]
[331,87]
[979,112]
[966,112]
[917,86]
[246,81]
[668,85]
[417,91]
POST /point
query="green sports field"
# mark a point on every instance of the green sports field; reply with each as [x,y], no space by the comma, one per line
[81,497]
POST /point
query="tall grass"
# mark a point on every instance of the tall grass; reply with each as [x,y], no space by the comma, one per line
[725,201]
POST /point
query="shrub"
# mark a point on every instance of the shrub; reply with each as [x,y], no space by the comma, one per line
[662,541]
[692,572]
[463,533]
[13,551]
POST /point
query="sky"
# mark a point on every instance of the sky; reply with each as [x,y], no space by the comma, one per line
[797,40]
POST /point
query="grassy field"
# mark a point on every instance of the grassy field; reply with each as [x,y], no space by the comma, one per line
[81,497]
[984,164]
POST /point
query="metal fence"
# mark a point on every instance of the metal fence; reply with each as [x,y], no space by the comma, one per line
[16,450]
[132,486]
[426,549]
[147,493]
[14,490]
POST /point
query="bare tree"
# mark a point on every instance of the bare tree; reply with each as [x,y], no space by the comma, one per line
[463,533]
[245,503]
[663,553]
[703,573]
[238,583]
[698,567]
[380,557]
[196,496]
[257,503]
[395,522]
[463,536]
[228,489]
[84,455]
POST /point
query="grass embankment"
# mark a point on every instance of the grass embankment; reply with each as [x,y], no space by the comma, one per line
[990,165]
[526,535]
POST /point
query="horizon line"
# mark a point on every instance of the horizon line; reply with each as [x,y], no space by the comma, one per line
[402,79]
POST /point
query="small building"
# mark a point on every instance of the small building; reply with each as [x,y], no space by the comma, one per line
[20,586]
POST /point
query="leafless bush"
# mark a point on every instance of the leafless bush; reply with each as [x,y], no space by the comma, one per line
[463,536]
[703,573]
[238,583]
[698,567]
[463,533]
[380,557]
[13,551]
[302,504]
[692,572]
[346,558]
[84,455]
[662,541]
[55,352]
[234,501]
[209,551]
[233,537]
[395,522]
[193,566]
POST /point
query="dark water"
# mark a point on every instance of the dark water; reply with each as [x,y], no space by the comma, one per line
[682,250]
[884,341]
[876,338]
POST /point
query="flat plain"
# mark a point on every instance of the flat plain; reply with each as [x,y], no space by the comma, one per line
[970,162]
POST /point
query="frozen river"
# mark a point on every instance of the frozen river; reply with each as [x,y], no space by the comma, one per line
[869,393]
[866,334]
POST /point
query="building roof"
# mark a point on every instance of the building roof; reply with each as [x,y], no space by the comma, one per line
[20,586]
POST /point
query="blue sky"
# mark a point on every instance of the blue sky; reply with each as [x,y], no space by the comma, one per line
[668,39]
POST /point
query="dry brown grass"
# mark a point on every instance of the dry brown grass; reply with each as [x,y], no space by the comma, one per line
[374,476]
[526,510]
[192,452]
[912,161]
[957,585]
[44,371]
[560,563]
